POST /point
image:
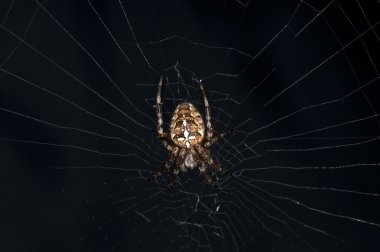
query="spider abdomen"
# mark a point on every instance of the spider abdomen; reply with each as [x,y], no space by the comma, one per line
[187,127]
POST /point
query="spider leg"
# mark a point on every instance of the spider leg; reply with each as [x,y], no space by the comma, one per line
[206,176]
[217,168]
[162,170]
[173,180]
[163,138]
[205,156]
[179,161]
[160,122]
[208,112]
[221,136]
[166,166]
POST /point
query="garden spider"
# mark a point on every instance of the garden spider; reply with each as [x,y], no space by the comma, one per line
[190,146]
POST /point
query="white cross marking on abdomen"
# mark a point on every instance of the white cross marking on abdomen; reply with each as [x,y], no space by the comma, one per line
[186,134]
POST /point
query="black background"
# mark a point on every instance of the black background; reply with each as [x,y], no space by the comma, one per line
[46,209]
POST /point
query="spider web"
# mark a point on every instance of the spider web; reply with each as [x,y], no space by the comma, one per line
[297,81]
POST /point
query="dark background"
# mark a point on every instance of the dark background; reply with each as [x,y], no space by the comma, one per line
[49,209]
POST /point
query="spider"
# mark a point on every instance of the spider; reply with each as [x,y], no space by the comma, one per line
[190,146]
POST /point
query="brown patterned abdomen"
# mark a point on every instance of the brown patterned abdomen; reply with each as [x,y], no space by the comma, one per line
[187,127]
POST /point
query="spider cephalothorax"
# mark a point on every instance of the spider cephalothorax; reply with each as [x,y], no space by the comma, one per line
[190,145]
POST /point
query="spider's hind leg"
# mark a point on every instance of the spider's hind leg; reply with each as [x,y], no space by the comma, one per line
[162,170]
[166,166]
[207,176]
[217,168]
[173,180]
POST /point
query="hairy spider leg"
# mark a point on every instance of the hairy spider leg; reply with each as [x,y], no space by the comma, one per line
[208,112]
[179,159]
[205,155]
[173,180]
[206,175]
[166,166]
[218,137]
[217,168]
[160,122]
[163,138]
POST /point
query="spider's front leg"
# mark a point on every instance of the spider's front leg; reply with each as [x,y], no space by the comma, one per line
[218,137]
[163,138]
